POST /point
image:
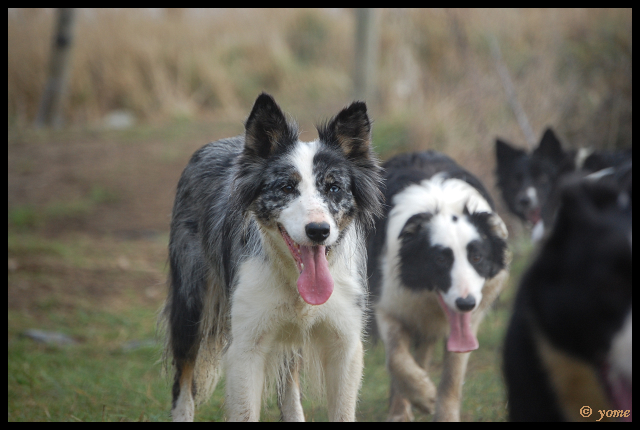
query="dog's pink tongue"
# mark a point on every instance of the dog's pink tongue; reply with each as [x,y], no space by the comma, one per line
[461,338]
[315,283]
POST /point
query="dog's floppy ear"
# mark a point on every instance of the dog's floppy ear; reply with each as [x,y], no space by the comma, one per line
[350,130]
[267,129]
[493,230]
[415,224]
[497,226]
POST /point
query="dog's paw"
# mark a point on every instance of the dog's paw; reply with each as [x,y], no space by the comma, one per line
[424,395]
[399,410]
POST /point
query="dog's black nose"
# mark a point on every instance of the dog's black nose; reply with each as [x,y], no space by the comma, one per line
[318,231]
[524,201]
[466,304]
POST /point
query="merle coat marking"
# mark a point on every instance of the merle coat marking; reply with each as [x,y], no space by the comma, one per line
[267,265]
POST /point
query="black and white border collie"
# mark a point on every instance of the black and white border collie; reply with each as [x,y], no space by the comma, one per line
[526,179]
[529,181]
[267,265]
[568,349]
[438,259]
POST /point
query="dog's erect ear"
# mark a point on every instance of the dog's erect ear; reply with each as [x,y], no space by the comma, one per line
[550,147]
[350,130]
[267,129]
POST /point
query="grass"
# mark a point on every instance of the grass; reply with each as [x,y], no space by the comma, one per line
[93,381]
[27,216]
[103,378]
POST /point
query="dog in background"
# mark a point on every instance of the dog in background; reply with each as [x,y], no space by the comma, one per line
[437,261]
[569,341]
[267,265]
[528,181]
[525,179]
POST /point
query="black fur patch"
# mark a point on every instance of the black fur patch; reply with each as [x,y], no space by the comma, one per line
[186,310]
[486,255]
[175,389]
[423,265]
[514,178]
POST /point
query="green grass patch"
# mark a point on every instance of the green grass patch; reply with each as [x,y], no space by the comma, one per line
[27,217]
[94,380]
[113,372]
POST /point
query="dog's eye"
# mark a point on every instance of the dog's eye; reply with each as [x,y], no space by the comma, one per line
[441,260]
[334,188]
[475,258]
[287,189]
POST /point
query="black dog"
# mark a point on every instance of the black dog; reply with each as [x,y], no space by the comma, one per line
[568,345]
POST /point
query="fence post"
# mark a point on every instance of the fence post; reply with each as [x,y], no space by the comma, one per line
[53,97]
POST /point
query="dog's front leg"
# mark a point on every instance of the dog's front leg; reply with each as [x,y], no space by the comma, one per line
[244,380]
[411,380]
[450,388]
[343,364]
[289,392]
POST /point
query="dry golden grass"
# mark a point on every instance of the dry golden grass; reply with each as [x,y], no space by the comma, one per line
[436,73]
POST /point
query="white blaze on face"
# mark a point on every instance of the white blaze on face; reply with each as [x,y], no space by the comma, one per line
[465,280]
[309,206]
[315,283]
[533,196]
[456,235]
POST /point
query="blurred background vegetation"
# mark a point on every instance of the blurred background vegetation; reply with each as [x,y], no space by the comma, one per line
[436,78]
[89,203]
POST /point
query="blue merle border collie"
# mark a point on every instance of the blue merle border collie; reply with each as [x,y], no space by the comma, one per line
[267,265]
[438,259]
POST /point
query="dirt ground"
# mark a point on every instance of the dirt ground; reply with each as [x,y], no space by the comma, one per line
[101,205]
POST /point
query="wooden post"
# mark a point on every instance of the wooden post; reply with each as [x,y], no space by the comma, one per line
[52,102]
[366,55]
